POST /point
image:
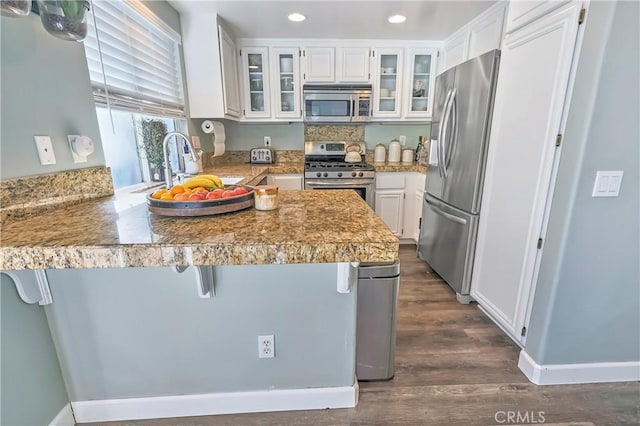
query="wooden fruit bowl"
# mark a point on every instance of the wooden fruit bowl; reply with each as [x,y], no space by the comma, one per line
[204,207]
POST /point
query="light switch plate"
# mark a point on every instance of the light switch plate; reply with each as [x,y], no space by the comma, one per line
[45,150]
[607,183]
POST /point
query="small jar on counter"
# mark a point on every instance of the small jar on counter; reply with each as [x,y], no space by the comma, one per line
[266,197]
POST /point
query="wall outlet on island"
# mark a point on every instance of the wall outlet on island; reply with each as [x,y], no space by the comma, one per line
[267,141]
[266,346]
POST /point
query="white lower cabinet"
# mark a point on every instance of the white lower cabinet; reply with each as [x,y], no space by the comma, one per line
[398,201]
[285,182]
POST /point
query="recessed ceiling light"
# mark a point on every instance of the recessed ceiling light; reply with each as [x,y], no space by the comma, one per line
[397,19]
[296,17]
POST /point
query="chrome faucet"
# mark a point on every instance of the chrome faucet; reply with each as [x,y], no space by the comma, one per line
[195,156]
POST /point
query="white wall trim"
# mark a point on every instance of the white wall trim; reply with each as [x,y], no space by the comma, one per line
[215,403]
[64,417]
[563,374]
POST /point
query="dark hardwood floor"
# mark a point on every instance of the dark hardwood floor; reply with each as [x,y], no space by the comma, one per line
[453,367]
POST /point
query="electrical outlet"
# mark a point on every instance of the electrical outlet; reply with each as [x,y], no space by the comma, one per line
[45,150]
[266,347]
[403,140]
[267,141]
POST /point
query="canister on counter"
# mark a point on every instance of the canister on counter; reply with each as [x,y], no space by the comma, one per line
[266,197]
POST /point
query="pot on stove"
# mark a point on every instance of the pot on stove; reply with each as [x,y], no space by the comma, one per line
[353,154]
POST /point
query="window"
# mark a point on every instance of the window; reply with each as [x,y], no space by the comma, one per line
[135,70]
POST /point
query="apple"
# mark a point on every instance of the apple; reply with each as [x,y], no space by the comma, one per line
[228,194]
[240,190]
[196,196]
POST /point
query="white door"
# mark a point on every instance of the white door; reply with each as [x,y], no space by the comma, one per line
[387,74]
[286,82]
[524,11]
[420,78]
[456,50]
[390,207]
[230,84]
[319,65]
[352,64]
[486,35]
[532,84]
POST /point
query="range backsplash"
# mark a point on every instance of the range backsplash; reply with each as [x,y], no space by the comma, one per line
[329,132]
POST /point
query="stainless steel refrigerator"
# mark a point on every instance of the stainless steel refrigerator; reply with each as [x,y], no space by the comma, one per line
[460,129]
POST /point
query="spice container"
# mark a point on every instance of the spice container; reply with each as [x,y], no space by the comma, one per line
[266,197]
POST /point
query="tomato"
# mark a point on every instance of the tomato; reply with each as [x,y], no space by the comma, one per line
[228,194]
[240,190]
[213,195]
[196,196]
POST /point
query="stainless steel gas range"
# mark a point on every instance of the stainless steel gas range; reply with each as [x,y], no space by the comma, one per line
[325,168]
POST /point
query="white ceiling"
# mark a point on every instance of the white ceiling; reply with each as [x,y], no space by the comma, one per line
[353,19]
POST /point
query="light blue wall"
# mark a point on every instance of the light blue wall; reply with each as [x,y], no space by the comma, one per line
[31,388]
[135,332]
[290,136]
[45,91]
[587,302]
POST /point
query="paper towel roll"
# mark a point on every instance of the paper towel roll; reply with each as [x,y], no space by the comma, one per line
[219,136]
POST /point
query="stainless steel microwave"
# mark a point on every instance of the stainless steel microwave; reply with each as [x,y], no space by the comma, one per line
[338,103]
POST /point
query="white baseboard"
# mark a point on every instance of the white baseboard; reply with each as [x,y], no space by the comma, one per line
[215,403]
[64,417]
[564,374]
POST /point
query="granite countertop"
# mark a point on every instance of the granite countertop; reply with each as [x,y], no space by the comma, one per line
[308,227]
[399,167]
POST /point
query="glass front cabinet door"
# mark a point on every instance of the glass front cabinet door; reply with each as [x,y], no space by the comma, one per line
[387,83]
[419,86]
[255,82]
[286,79]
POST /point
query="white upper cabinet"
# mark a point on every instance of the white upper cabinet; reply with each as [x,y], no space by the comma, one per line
[352,64]
[419,86]
[387,82]
[319,65]
[522,12]
[286,87]
[255,82]
[210,67]
[482,34]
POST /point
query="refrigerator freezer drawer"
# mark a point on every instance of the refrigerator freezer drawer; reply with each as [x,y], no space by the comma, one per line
[447,242]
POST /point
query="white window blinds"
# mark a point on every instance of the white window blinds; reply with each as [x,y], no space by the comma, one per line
[141,61]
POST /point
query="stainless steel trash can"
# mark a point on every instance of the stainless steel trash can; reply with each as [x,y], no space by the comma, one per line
[378,285]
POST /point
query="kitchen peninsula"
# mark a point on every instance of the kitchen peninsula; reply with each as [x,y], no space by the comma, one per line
[136,339]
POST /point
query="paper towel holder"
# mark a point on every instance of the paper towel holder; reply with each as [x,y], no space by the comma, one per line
[81,147]
[207,126]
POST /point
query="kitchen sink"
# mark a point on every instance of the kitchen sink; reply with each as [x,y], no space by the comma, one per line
[231,180]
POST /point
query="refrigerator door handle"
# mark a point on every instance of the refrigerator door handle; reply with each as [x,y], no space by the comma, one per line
[445,133]
[446,155]
[436,210]
[442,135]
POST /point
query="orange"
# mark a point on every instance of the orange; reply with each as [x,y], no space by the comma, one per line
[177,189]
[166,196]
[158,193]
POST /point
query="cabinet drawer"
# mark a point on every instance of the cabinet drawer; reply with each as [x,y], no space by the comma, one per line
[390,181]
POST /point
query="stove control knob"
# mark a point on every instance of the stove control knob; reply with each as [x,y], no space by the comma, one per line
[339,174]
[318,174]
[353,174]
[325,174]
[360,174]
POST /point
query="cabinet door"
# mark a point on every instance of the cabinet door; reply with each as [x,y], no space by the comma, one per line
[255,81]
[230,85]
[419,87]
[319,65]
[387,82]
[286,82]
[486,34]
[456,50]
[353,64]
[390,207]
[285,182]
[530,92]
[523,12]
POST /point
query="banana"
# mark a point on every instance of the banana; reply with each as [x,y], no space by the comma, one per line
[199,181]
[216,180]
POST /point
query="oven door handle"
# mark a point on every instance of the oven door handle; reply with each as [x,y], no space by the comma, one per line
[359,184]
